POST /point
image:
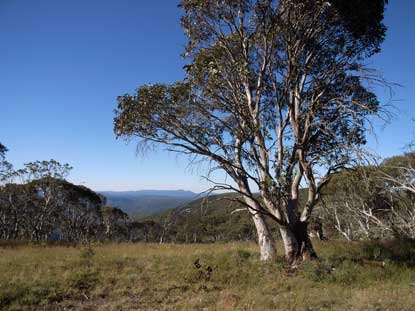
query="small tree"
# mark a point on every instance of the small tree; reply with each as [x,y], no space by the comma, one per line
[276,92]
[3,150]
[113,218]
[5,167]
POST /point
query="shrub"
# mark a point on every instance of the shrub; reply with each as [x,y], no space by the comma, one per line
[243,254]
[402,251]
[31,294]
[84,280]
[87,278]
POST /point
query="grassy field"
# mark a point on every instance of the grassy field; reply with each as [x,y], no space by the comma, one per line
[205,277]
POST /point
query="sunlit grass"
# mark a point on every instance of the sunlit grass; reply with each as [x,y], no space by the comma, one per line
[226,277]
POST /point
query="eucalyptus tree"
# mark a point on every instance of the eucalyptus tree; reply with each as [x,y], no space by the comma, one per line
[9,214]
[80,215]
[36,200]
[276,94]
[28,197]
[41,184]
[5,166]
[3,150]
[398,176]
[373,201]
[357,204]
[113,218]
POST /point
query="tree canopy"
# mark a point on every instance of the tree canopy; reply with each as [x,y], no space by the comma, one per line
[275,93]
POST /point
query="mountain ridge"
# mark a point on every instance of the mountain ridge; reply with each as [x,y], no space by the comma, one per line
[148,202]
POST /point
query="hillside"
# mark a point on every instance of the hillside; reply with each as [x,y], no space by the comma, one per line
[204,220]
[148,202]
[208,219]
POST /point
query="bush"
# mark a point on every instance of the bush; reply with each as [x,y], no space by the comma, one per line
[243,254]
[31,294]
[85,280]
[87,256]
[402,251]
[317,271]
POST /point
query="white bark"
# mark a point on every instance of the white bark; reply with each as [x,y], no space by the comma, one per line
[265,240]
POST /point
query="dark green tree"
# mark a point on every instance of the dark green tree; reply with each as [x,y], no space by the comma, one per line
[5,167]
[3,150]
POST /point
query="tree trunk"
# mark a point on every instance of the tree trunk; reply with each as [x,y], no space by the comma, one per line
[265,240]
[297,243]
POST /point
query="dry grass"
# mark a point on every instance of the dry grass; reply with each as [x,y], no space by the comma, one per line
[230,277]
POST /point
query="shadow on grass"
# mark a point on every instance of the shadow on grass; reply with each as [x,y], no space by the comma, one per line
[397,251]
[13,244]
[365,264]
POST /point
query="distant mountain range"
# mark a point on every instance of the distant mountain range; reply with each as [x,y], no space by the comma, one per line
[148,202]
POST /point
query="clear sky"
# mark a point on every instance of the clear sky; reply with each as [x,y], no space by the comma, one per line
[64,62]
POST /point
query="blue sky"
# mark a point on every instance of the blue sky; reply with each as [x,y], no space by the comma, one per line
[63,63]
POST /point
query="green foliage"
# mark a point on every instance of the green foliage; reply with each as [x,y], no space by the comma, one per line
[240,88]
[244,255]
[47,169]
[87,256]
[85,280]
[5,167]
[3,150]
[345,272]
[48,292]
[364,20]
[87,277]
